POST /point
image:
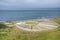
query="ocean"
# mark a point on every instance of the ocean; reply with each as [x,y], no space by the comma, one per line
[15,15]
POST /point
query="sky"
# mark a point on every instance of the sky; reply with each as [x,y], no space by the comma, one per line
[28,4]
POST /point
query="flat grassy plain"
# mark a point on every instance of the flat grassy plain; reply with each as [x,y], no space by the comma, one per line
[13,33]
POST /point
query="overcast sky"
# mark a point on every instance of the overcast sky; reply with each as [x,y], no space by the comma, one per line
[27,4]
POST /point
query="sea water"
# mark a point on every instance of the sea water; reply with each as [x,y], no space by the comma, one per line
[15,15]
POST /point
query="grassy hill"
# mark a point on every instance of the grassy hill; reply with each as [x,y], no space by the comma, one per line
[13,33]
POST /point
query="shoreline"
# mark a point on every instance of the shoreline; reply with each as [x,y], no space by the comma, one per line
[29,19]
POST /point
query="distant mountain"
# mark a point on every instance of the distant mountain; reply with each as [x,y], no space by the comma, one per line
[47,9]
[37,9]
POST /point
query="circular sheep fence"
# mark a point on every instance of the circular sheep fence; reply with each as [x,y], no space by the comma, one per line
[37,25]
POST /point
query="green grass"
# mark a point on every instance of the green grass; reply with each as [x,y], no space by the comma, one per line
[57,20]
[13,33]
[30,22]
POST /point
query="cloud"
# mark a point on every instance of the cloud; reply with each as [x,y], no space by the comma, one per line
[21,4]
